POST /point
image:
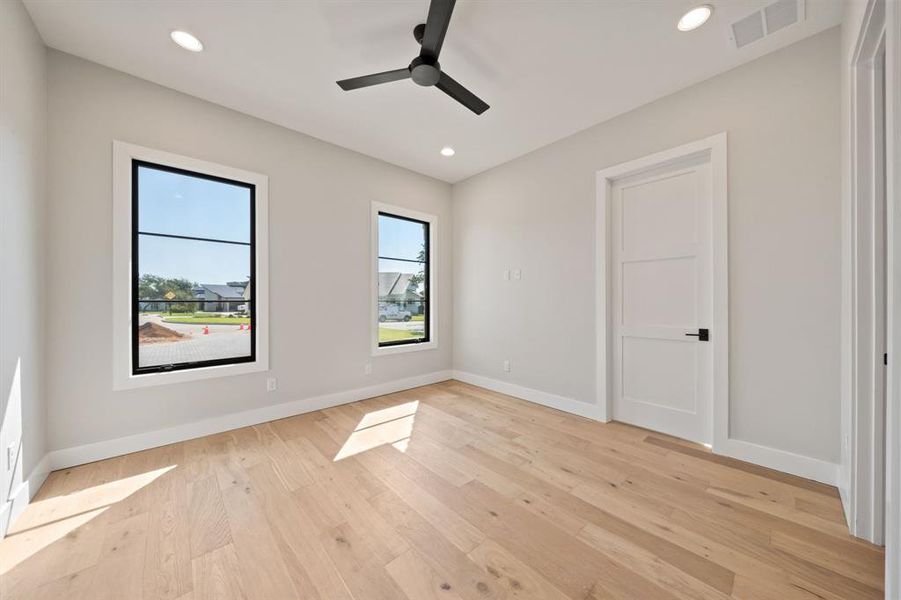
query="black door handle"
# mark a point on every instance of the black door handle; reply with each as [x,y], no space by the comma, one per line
[703,335]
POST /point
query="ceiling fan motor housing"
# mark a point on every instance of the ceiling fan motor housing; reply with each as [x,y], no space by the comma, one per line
[425,71]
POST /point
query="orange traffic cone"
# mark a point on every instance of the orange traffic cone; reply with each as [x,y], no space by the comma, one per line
[206,330]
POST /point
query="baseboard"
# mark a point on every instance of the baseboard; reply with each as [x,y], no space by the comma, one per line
[78,455]
[845,497]
[19,499]
[780,460]
[583,409]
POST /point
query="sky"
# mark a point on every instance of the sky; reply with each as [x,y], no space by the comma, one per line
[177,204]
[403,239]
[190,206]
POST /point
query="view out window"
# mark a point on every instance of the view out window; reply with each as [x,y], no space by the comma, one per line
[403,283]
[193,260]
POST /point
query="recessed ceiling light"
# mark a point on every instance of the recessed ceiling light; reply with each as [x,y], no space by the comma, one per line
[186,41]
[695,17]
[448,151]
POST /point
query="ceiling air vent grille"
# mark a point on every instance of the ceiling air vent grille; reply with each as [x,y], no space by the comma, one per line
[749,29]
[762,23]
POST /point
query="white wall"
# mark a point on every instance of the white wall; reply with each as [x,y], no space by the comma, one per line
[536,213]
[319,199]
[23,116]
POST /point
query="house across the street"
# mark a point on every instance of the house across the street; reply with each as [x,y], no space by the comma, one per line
[400,290]
[222,298]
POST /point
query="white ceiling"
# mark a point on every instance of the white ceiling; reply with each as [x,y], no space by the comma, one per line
[547,68]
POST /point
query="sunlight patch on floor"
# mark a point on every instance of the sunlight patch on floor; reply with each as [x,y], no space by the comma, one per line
[48,521]
[392,425]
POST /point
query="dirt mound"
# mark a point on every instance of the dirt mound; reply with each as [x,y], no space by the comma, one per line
[153,332]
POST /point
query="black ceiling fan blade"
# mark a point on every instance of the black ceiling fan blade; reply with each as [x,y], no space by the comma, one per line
[440,12]
[374,79]
[452,88]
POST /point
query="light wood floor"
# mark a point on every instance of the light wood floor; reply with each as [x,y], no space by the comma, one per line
[444,492]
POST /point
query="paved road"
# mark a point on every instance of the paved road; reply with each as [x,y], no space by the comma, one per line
[223,341]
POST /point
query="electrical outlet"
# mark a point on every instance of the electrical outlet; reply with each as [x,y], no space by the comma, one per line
[517,274]
[506,366]
[367,368]
[271,384]
[11,455]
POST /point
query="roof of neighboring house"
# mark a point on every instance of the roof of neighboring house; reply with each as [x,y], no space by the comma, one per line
[396,284]
[224,291]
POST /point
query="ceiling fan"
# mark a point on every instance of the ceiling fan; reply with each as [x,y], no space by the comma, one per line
[425,69]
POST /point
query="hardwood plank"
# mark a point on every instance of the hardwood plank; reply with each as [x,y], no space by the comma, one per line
[648,565]
[463,575]
[216,575]
[360,566]
[517,578]
[207,518]
[813,486]
[444,492]
[418,580]
[260,562]
[298,535]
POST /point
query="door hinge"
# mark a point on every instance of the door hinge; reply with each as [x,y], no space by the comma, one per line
[885,359]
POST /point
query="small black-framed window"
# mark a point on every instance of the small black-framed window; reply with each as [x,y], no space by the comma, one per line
[404,258]
[193,253]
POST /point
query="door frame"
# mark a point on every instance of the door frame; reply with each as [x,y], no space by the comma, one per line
[881,24]
[867,435]
[893,269]
[712,148]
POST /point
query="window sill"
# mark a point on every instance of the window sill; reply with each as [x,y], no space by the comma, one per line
[400,349]
[164,378]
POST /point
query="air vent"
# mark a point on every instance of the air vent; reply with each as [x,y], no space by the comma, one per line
[771,19]
[749,29]
[781,14]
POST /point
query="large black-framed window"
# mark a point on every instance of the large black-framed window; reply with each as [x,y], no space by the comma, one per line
[193,252]
[404,258]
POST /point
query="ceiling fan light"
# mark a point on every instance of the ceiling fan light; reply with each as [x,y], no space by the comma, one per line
[695,17]
[448,151]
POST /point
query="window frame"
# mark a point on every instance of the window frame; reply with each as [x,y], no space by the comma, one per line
[127,158]
[136,369]
[430,284]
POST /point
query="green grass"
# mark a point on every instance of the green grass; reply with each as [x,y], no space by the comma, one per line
[418,318]
[207,320]
[394,335]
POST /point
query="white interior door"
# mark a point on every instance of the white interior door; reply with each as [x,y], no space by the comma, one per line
[662,290]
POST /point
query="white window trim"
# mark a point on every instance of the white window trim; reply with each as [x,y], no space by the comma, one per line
[123,379]
[432,220]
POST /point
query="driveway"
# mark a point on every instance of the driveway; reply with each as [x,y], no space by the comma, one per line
[223,341]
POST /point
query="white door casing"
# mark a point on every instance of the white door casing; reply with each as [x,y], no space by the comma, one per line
[714,150]
[867,281]
[662,292]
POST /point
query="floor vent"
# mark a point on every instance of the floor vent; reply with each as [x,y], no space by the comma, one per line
[762,23]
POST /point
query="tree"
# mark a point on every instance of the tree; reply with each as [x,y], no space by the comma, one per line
[417,278]
[154,287]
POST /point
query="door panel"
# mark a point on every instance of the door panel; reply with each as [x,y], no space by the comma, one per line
[660,214]
[662,291]
[660,372]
